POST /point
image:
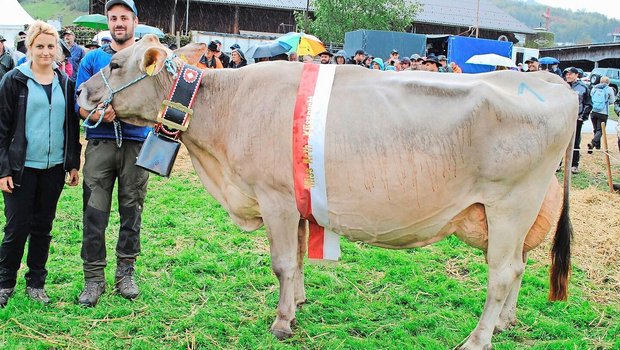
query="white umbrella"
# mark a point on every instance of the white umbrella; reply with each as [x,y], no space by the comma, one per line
[491,59]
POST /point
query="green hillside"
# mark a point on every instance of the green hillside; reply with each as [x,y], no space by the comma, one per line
[577,27]
[63,10]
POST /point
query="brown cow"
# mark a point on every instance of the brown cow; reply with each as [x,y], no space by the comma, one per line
[409,159]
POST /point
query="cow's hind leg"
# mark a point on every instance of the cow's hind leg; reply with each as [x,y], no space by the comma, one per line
[508,224]
[508,315]
[302,242]
[282,225]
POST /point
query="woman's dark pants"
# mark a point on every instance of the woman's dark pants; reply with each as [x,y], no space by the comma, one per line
[29,213]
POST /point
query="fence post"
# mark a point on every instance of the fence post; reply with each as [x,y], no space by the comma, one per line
[606,151]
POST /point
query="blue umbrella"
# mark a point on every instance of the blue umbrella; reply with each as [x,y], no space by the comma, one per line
[142,30]
[269,49]
[548,60]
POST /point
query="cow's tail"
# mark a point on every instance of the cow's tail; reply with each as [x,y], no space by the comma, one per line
[560,251]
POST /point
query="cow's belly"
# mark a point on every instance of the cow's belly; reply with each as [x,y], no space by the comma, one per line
[469,225]
[402,221]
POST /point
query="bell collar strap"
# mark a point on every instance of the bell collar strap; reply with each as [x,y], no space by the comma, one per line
[176,111]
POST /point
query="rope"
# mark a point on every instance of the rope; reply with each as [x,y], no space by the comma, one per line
[117,125]
[602,151]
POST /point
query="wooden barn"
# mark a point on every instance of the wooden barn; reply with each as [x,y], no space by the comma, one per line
[224,16]
[277,16]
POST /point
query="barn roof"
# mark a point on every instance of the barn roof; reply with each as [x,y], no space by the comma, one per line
[275,4]
[463,13]
[460,13]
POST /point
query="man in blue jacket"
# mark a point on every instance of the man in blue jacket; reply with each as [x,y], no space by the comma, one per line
[111,155]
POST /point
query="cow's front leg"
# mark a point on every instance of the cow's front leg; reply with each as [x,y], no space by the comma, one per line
[282,227]
[302,245]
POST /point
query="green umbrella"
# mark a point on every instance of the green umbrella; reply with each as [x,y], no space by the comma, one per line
[95,21]
[100,22]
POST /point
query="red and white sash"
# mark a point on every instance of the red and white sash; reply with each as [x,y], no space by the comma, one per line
[309,121]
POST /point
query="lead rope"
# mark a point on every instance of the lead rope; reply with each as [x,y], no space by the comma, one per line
[117,125]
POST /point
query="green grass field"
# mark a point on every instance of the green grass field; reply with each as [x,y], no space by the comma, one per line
[206,284]
[46,10]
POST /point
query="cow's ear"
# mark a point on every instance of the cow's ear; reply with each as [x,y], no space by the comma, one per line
[153,60]
[191,53]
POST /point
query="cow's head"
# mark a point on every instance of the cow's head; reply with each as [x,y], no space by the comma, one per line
[139,102]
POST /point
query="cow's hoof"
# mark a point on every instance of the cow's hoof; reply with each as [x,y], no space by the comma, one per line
[300,303]
[282,329]
[503,325]
[281,334]
[470,344]
[466,347]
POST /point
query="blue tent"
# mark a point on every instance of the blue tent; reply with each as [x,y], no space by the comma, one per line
[461,48]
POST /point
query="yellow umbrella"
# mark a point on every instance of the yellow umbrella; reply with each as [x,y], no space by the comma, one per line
[302,43]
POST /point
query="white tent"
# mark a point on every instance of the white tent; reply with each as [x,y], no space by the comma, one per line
[12,20]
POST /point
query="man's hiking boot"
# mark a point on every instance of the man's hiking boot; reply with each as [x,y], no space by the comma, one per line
[91,294]
[38,294]
[5,294]
[124,279]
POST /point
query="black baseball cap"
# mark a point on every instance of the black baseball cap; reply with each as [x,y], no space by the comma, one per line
[360,52]
[92,44]
[572,70]
[127,3]
[531,59]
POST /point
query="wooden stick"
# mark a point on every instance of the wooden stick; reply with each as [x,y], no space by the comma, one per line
[606,151]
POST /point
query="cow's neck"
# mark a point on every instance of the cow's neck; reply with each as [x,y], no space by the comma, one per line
[210,123]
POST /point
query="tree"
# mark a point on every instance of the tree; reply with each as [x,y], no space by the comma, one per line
[333,18]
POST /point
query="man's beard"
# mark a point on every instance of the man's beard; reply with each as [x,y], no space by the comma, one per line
[121,39]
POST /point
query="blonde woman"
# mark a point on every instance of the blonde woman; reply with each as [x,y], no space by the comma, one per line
[39,145]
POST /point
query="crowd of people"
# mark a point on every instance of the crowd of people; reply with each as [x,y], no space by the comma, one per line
[40,148]
[394,62]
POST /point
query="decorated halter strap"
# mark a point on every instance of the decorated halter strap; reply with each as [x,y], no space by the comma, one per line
[176,111]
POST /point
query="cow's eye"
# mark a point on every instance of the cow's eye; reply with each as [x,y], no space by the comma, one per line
[114,65]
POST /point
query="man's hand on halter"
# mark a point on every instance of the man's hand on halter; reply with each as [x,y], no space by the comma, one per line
[108,114]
